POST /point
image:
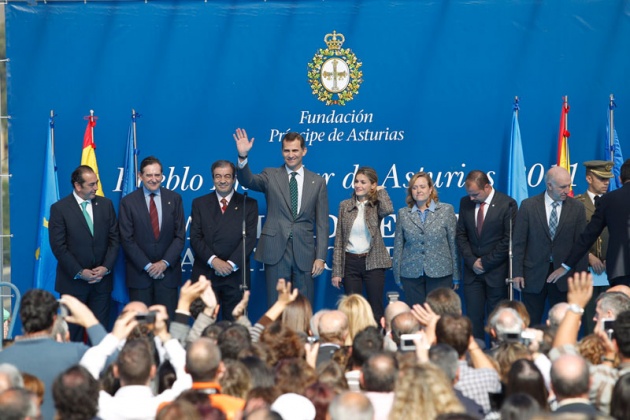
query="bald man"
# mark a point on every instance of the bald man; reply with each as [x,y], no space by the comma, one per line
[546,227]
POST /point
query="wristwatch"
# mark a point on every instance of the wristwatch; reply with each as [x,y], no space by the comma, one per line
[575,308]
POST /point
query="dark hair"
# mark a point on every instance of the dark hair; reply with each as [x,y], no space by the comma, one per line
[232,340]
[150,160]
[261,374]
[454,330]
[433,196]
[75,392]
[519,407]
[477,177]
[366,343]
[37,310]
[380,372]
[134,362]
[77,174]
[294,375]
[624,172]
[320,395]
[292,136]
[620,403]
[166,376]
[282,343]
[621,334]
[524,377]
[222,164]
[444,300]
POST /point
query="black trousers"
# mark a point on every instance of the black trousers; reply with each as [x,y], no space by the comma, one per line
[357,277]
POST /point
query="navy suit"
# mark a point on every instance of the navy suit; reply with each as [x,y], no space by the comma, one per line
[535,253]
[76,249]
[215,233]
[141,247]
[483,292]
[612,211]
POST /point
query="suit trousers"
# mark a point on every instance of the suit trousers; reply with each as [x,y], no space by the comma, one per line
[535,302]
[481,299]
[287,269]
[156,294]
[98,304]
[228,292]
[356,277]
[416,290]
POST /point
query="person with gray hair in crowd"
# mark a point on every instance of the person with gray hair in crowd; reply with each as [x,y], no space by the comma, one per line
[445,357]
[351,405]
[10,377]
[570,383]
[18,404]
[610,304]
[378,379]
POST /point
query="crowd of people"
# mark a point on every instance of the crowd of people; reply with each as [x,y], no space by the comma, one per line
[192,352]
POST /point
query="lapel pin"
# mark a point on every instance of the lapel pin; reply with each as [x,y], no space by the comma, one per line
[235,208]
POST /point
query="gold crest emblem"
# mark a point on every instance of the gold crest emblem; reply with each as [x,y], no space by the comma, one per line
[334,73]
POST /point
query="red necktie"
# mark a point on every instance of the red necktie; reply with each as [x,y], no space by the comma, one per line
[223,205]
[155,221]
[480,218]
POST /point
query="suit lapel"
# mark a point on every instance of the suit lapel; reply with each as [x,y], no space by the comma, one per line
[141,203]
[415,218]
[541,213]
[76,209]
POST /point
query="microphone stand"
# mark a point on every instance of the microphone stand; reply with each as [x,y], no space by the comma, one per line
[244,267]
[510,280]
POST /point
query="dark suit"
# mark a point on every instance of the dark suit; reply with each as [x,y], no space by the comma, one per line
[221,234]
[612,211]
[286,246]
[585,408]
[535,253]
[141,247]
[76,249]
[483,291]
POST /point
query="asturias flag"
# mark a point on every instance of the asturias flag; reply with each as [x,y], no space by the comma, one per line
[517,177]
[45,261]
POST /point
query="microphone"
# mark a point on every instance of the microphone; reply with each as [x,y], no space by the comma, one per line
[244,233]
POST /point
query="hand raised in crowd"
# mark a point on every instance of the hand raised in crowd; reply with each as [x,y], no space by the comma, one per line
[285,294]
[580,289]
[125,323]
[428,318]
[78,312]
[239,309]
[161,316]
[210,300]
[191,291]
[243,144]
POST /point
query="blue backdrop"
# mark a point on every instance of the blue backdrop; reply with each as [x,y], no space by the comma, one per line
[439,79]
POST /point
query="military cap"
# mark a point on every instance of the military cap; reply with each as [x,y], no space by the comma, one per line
[601,168]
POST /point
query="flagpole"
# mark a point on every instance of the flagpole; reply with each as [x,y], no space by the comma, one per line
[92,126]
[52,129]
[135,144]
[516,107]
[611,131]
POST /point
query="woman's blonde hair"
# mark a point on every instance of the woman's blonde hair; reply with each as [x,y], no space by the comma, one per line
[359,313]
[423,392]
[433,196]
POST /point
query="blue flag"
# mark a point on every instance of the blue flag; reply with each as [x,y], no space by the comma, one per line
[45,261]
[517,177]
[613,152]
[120,293]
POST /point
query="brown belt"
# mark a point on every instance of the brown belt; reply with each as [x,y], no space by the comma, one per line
[357,255]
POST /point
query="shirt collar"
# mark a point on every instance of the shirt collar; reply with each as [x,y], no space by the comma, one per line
[300,171]
[227,197]
[490,197]
[431,207]
[79,199]
[549,201]
[147,192]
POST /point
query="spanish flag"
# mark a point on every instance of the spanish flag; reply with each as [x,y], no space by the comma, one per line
[563,140]
[88,157]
